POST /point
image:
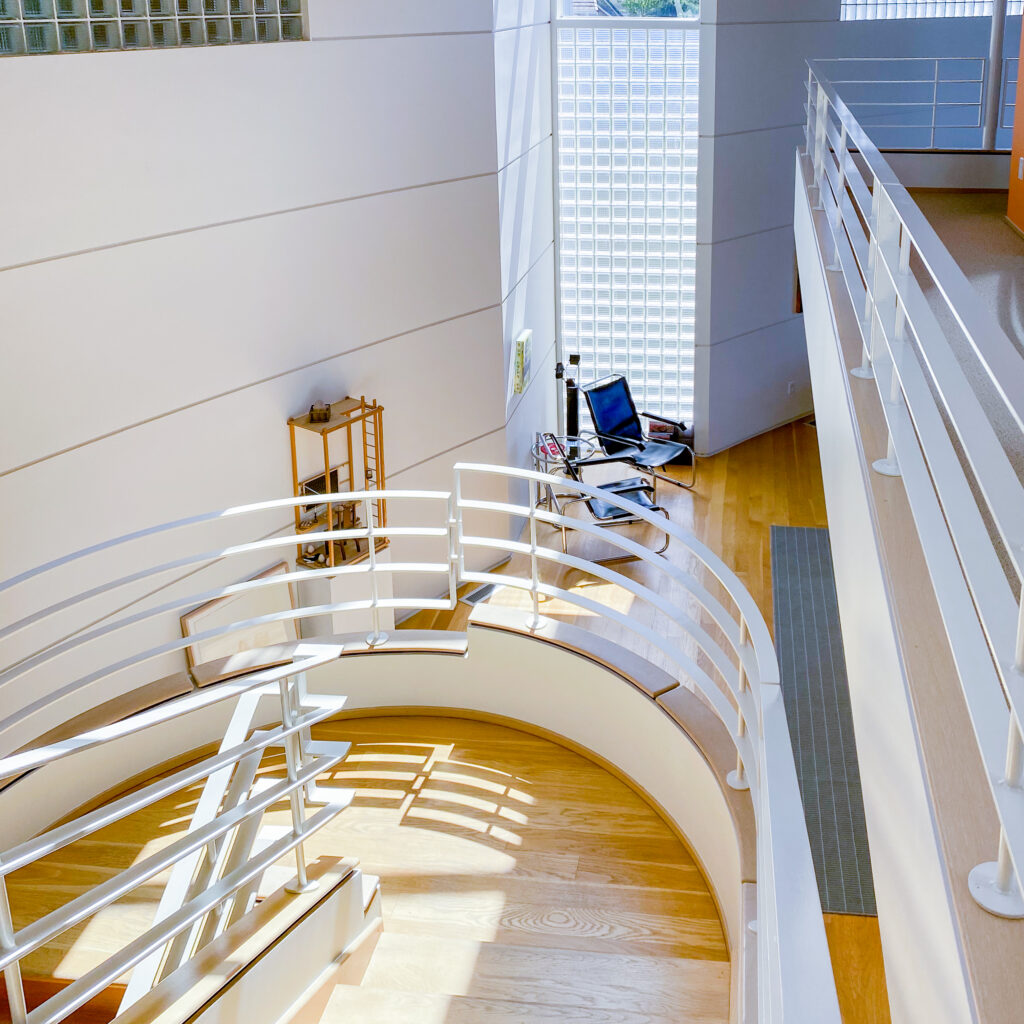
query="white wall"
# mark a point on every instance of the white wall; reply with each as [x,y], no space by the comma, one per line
[522,63]
[206,240]
[751,367]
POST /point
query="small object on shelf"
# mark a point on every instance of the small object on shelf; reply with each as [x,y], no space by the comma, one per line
[320,412]
[328,508]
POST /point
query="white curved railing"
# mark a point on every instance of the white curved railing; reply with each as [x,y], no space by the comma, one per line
[964,492]
[723,650]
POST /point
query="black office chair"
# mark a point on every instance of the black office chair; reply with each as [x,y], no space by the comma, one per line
[607,513]
[620,432]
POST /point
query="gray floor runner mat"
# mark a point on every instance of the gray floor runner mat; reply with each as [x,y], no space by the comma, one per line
[817,698]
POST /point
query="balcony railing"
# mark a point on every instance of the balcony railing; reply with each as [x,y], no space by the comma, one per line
[724,650]
[924,102]
[927,337]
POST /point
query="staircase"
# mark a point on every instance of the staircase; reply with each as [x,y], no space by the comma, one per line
[519,882]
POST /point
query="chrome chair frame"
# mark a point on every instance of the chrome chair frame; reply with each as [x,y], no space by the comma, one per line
[622,488]
[632,447]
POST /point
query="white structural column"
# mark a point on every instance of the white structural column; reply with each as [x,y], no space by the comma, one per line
[526,228]
[751,361]
[994,75]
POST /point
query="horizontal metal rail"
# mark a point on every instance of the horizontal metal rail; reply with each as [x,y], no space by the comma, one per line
[720,644]
[792,948]
[919,102]
[93,982]
[964,493]
[43,930]
[56,839]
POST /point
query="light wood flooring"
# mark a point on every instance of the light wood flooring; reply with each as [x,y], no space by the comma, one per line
[520,882]
[773,479]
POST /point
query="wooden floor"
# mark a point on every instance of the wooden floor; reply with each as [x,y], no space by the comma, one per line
[773,479]
[520,882]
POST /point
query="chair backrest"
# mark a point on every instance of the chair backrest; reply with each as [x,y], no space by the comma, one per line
[613,411]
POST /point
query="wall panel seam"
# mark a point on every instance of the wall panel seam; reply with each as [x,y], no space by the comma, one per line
[753,330]
[246,219]
[445,451]
[529,270]
[750,131]
[247,386]
[516,28]
[525,153]
[787,226]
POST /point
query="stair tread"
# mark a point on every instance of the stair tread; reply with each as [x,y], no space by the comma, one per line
[349,1003]
[550,976]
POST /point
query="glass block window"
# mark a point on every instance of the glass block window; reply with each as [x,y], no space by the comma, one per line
[71,26]
[627,207]
[875,10]
[629,8]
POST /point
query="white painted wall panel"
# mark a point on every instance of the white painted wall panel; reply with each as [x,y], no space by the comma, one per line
[332,19]
[510,13]
[763,262]
[144,329]
[522,69]
[522,60]
[753,181]
[531,304]
[235,449]
[192,137]
[527,213]
[749,382]
[297,256]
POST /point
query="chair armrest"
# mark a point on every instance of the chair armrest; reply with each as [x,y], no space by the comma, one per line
[628,442]
[601,461]
[662,419]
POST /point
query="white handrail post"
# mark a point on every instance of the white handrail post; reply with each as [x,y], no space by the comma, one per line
[737,779]
[809,132]
[459,525]
[292,763]
[820,138]
[453,583]
[993,883]
[534,571]
[12,973]
[837,217]
[994,75]
[376,636]
[865,371]
[298,697]
[888,230]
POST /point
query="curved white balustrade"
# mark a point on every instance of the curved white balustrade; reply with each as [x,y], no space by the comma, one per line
[726,655]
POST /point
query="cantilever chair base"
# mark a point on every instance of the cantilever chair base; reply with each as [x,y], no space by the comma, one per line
[609,513]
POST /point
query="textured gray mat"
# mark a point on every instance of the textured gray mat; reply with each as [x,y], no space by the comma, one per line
[817,699]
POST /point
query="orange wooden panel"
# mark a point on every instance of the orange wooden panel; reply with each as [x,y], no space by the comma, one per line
[1015,210]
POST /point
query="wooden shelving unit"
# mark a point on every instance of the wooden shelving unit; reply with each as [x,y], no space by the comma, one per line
[360,466]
